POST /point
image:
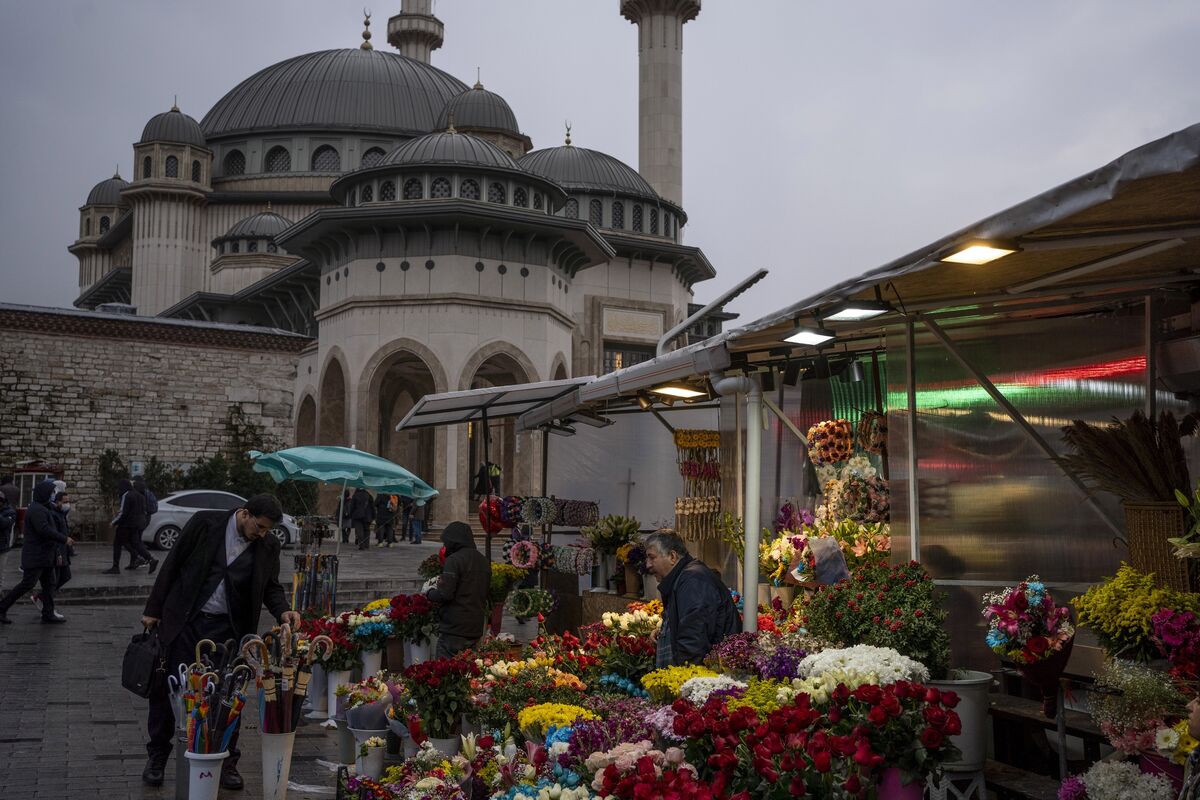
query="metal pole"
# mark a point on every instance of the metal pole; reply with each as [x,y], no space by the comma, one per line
[487,476]
[1151,367]
[753,505]
[545,463]
[1060,722]
[338,525]
[914,495]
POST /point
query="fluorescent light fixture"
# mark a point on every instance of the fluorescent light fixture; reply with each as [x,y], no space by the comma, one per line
[809,334]
[856,311]
[980,253]
[680,390]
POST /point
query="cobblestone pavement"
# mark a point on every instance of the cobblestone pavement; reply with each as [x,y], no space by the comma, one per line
[68,729]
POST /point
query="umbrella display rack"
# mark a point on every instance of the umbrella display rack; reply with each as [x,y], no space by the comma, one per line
[314,584]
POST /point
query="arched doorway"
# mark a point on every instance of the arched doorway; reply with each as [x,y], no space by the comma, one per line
[306,422]
[333,405]
[503,448]
[398,383]
[560,373]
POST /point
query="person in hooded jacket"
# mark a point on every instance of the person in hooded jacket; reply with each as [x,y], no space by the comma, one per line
[697,609]
[39,552]
[461,592]
[362,511]
[60,504]
[129,524]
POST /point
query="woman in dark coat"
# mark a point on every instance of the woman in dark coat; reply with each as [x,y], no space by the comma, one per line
[39,552]
[129,523]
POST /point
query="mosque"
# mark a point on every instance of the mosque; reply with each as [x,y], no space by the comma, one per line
[402,221]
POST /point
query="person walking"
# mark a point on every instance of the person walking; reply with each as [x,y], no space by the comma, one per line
[60,505]
[461,591]
[139,484]
[129,524]
[215,582]
[406,507]
[10,491]
[416,518]
[386,506]
[362,511]
[8,532]
[344,513]
[39,552]
[697,609]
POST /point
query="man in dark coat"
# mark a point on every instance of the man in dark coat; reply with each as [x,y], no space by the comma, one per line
[461,591]
[128,525]
[386,506]
[362,511]
[213,585]
[697,609]
[39,553]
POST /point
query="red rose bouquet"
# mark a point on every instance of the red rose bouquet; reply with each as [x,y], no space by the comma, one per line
[345,651]
[413,617]
[441,689]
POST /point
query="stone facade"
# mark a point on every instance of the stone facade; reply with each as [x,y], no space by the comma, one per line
[73,385]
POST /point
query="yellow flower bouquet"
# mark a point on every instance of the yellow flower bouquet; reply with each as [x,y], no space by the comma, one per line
[1120,608]
[663,684]
[535,721]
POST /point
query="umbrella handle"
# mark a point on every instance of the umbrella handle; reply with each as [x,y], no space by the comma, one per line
[327,646]
[212,646]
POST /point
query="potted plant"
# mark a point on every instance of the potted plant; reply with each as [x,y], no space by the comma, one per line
[1142,462]
[441,689]
[608,534]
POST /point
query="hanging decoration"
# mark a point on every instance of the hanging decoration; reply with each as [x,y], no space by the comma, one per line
[698,510]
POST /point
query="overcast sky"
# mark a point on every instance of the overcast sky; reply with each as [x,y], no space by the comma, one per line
[821,139]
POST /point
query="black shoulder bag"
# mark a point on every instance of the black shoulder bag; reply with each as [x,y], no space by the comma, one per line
[145,660]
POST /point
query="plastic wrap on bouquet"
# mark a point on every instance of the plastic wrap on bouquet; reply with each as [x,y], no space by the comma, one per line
[368,716]
[1045,675]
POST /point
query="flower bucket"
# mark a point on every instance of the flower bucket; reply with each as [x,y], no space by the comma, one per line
[417,653]
[631,582]
[317,699]
[600,574]
[649,587]
[786,595]
[361,736]
[370,765]
[610,569]
[372,662]
[448,747]
[891,787]
[333,680]
[345,744]
[204,776]
[497,619]
[368,716]
[276,764]
[972,688]
[525,632]
[1045,675]
[1154,764]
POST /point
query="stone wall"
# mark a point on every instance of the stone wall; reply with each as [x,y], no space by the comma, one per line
[73,384]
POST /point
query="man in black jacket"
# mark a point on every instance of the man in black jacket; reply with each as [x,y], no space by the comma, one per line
[362,511]
[39,553]
[386,506]
[213,585]
[461,591]
[697,609]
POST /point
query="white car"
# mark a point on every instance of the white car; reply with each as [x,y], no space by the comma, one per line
[177,508]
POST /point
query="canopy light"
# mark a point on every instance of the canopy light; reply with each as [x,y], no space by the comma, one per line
[856,311]
[980,253]
[680,390]
[645,403]
[807,334]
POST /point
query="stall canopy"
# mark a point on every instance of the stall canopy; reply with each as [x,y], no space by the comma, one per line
[493,402]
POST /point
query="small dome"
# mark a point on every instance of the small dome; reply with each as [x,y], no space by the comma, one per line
[580,169]
[477,108]
[173,126]
[450,148]
[107,192]
[264,225]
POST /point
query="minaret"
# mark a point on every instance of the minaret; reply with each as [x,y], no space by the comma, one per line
[415,31]
[660,90]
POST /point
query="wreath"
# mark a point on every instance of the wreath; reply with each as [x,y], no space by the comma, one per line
[524,555]
[510,510]
[538,511]
[577,513]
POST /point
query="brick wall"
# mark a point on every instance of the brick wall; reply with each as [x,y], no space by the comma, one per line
[73,385]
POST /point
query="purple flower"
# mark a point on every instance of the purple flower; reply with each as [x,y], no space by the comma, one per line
[737,653]
[1072,789]
[783,664]
[600,735]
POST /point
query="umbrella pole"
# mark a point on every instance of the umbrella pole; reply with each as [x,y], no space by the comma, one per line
[487,474]
[338,525]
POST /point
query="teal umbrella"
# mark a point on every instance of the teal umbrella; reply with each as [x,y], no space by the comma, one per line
[344,465]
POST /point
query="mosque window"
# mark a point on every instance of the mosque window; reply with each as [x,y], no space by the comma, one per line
[172,169]
[235,247]
[468,190]
[252,246]
[104,224]
[372,157]
[326,159]
[618,214]
[147,167]
[195,172]
[596,213]
[520,198]
[637,218]
[87,226]
[571,209]
[537,201]
[278,160]
[497,193]
[440,189]
[654,221]
[387,191]
[368,194]
[272,247]
[235,163]
[413,189]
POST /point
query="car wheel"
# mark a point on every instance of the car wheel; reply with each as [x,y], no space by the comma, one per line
[281,534]
[166,537]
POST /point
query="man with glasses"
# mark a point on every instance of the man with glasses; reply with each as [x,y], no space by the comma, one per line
[213,585]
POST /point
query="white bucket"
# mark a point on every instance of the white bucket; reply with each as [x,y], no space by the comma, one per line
[204,778]
[972,688]
[370,765]
[448,747]
[417,653]
[276,764]
[372,662]
[318,696]
[332,680]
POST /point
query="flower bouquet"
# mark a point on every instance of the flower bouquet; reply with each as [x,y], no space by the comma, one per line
[1120,609]
[775,556]
[1177,634]
[1131,703]
[536,720]
[504,578]
[366,704]
[1025,626]
[440,689]
[628,657]
[370,631]
[430,566]
[413,617]
[664,684]
[1116,780]
[344,654]
[830,442]
[611,532]
[792,519]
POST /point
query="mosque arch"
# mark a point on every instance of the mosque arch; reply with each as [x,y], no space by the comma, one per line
[414,189]
[558,368]
[333,425]
[387,191]
[147,167]
[278,160]
[326,159]
[105,222]
[372,157]
[196,175]
[499,364]
[172,167]
[306,420]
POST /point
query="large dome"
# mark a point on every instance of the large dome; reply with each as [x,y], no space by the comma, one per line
[173,126]
[107,192]
[264,225]
[477,108]
[344,90]
[580,169]
[450,148]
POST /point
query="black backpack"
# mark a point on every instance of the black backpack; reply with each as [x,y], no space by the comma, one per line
[151,504]
[8,526]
